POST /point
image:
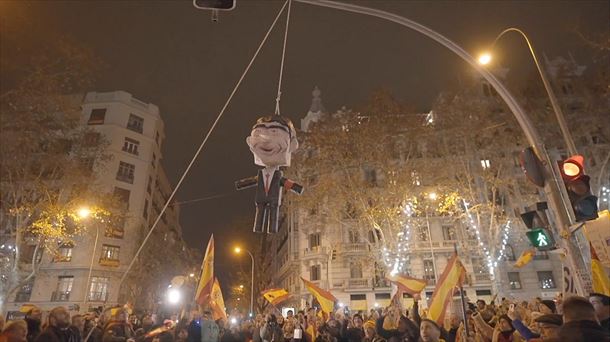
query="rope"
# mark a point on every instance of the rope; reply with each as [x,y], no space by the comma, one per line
[279,85]
[201,146]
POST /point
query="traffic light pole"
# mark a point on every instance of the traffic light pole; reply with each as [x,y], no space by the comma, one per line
[552,188]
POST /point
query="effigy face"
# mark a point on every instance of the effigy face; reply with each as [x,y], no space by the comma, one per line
[272,141]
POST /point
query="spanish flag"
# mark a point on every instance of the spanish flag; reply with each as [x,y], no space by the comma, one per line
[452,276]
[275,296]
[601,283]
[525,258]
[326,300]
[407,284]
[217,303]
[206,282]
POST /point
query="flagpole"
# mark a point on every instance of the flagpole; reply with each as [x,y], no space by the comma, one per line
[462,299]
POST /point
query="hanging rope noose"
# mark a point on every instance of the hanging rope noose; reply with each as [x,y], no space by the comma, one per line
[260,46]
[279,85]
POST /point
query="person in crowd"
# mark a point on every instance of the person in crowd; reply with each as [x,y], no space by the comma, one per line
[194,327]
[504,330]
[405,331]
[454,325]
[484,310]
[370,333]
[601,304]
[549,326]
[78,326]
[355,331]
[547,307]
[97,331]
[118,329]
[580,323]
[58,329]
[288,329]
[14,331]
[210,332]
[429,331]
[33,318]
[271,331]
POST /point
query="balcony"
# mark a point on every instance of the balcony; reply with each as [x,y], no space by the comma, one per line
[60,296]
[98,296]
[62,258]
[109,262]
[317,252]
[355,248]
[357,283]
[124,178]
[116,233]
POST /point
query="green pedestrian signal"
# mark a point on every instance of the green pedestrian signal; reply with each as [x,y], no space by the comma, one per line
[541,238]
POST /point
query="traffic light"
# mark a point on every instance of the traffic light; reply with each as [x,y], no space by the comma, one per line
[577,184]
[536,221]
[224,5]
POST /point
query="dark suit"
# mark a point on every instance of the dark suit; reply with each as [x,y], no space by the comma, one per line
[268,201]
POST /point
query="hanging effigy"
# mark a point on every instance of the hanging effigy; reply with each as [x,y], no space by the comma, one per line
[272,141]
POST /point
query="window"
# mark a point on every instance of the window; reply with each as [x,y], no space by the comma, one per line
[355,270]
[315,273]
[145,212]
[25,292]
[354,236]
[370,176]
[449,233]
[110,252]
[131,146]
[314,240]
[546,280]
[380,278]
[135,123]
[64,254]
[429,271]
[514,280]
[478,266]
[91,139]
[422,233]
[510,253]
[485,163]
[98,290]
[97,116]
[64,287]
[126,172]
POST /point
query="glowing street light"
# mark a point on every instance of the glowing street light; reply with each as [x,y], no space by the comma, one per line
[192,275]
[237,250]
[84,212]
[433,196]
[241,287]
[485,58]
[173,296]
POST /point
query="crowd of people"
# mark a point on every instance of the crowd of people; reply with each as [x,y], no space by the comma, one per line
[572,320]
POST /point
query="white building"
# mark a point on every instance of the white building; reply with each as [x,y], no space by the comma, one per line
[88,273]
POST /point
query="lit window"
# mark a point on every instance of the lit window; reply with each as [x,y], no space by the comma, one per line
[110,252]
[514,280]
[64,287]
[485,163]
[98,290]
[546,280]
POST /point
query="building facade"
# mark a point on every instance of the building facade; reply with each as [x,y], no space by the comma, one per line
[87,274]
[349,259]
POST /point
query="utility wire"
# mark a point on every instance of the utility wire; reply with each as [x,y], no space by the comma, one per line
[167,203]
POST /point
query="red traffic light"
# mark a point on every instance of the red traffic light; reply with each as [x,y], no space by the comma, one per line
[573,167]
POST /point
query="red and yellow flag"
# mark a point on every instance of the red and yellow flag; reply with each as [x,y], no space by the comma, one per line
[275,296]
[326,300]
[217,302]
[525,258]
[601,282]
[407,284]
[452,276]
[206,282]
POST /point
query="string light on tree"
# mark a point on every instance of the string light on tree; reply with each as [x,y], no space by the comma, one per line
[488,258]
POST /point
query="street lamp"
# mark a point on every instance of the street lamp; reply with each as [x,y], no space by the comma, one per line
[238,250]
[486,58]
[83,212]
[173,296]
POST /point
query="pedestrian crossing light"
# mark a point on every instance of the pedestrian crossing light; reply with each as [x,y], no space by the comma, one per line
[541,239]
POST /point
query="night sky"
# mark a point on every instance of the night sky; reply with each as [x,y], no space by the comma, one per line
[171,54]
